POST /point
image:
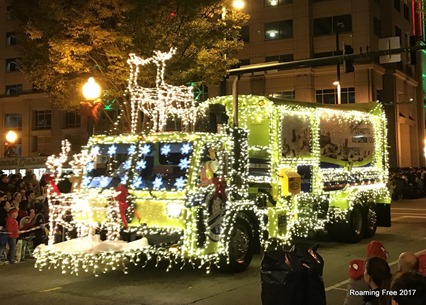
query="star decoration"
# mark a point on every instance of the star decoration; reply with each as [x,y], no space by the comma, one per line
[141,164]
[131,150]
[183,163]
[180,183]
[112,150]
[127,164]
[185,149]
[158,181]
[145,149]
[95,151]
[90,166]
[165,149]
[137,182]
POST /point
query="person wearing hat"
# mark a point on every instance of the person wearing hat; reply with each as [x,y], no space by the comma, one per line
[12,227]
[356,283]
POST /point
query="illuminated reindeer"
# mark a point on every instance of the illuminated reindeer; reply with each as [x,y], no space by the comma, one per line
[164,100]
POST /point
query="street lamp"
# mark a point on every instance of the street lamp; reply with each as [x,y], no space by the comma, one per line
[239,4]
[91,89]
[11,138]
[339,92]
[91,92]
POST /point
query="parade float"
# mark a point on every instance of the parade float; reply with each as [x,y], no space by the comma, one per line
[238,175]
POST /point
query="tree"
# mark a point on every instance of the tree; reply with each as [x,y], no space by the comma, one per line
[63,42]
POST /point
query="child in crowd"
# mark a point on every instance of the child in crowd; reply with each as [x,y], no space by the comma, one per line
[356,273]
[12,227]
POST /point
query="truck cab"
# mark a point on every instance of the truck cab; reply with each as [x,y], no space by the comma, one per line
[183,191]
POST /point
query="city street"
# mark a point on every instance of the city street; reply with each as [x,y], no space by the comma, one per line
[21,284]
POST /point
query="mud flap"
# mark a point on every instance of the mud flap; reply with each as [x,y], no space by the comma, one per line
[383,214]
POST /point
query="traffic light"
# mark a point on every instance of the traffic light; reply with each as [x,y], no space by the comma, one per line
[349,63]
[413,55]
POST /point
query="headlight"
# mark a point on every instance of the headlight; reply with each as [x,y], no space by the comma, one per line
[174,209]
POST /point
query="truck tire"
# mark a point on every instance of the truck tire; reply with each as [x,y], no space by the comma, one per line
[351,231]
[370,221]
[240,247]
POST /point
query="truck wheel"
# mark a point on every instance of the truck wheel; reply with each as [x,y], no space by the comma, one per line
[369,221]
[350,231]
[355,225]
[241,246]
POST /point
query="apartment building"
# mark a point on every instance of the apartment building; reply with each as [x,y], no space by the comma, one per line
[278,31]
[28,112]
[292,30]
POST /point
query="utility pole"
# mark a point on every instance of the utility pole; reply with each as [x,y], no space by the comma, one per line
[337,82]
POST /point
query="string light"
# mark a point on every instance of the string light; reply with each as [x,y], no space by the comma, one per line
[162,102]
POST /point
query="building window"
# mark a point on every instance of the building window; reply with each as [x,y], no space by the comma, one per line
[289,95]
[244,62]
[72,119]
[348,95]
[398,32]
[42,119]
[327,54]
[11,64]
[329,96]
[14,89]
[377,27]
[279,58]
[42,145]
[245,34]
[326,96]
[10,39]
[279,30]
[328,25]
[406,12]
[13,121]
[397,5]
[277,2]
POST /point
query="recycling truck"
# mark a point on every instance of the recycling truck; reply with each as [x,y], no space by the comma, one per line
[283,169]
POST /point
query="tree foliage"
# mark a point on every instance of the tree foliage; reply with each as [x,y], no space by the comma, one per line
[66,41]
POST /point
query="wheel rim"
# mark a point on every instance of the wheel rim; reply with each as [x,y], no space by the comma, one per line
[239,244]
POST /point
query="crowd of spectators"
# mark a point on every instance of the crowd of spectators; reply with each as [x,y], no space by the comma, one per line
[23,208]
[407,183]
[371,281]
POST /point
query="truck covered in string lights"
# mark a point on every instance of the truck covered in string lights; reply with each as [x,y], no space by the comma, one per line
[252,172]
[288,169]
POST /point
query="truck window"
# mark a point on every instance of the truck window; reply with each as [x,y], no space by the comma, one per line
[162,166]
[342,142]
[295,136]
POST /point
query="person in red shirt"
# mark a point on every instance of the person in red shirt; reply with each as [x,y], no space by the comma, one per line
[12,227]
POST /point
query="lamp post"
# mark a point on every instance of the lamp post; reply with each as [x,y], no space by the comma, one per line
[91,92]
[238,5]
[337,82]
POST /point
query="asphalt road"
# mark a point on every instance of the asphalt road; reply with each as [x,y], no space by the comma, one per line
[21,284]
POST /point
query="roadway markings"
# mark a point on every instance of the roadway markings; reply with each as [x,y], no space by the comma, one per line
[51,289]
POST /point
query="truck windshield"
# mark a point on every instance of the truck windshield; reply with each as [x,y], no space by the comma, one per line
[145,166]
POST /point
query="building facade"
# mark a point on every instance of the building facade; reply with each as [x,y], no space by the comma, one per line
[292,30]
[29,113]
[278,31]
